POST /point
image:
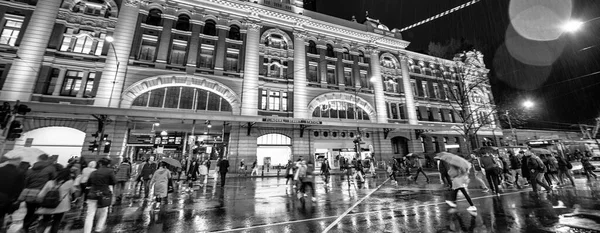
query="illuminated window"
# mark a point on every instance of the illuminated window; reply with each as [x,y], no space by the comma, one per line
[178,97]
[148,48]
[340,110]
[447,93]
[71,83]
[89,85]
[436,91]
[11,29]
[274,101]
[82,41]
[425,89]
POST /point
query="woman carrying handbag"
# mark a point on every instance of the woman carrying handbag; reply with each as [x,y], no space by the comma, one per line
[101,184]
[53,216]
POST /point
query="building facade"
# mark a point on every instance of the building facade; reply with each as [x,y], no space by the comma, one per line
[258,80]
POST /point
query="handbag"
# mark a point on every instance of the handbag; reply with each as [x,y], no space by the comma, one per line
[104,198]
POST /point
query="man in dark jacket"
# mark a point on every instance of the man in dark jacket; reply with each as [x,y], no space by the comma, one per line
[41,172]
[515,168]
[537,167]
[223,169]
[491,170]
[148,169]
[11,185]
[525,167]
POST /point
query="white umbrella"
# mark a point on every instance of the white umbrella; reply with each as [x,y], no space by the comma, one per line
[27,154]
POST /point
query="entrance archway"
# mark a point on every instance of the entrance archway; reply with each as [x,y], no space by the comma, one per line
[62,141]
[400,146]
[274,148]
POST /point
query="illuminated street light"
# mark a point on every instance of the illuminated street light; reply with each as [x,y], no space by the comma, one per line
[572,26]
[528,104]
[164,133]
[109,39]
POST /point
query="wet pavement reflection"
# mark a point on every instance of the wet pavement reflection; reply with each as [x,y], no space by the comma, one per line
[268,205]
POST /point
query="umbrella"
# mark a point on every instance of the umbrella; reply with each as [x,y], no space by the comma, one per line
[454,160]
[27,154]
[416,154]
[540,151]
[172,162]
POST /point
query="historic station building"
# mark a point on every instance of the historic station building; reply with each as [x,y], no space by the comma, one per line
[260,80]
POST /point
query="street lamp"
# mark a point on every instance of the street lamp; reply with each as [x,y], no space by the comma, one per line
[164,133]
[572,26]
[110,39]
[527,104]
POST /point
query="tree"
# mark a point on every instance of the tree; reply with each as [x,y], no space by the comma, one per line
[470,96]
[448,49]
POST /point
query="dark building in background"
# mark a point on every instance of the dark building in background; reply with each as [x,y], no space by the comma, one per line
[310,5]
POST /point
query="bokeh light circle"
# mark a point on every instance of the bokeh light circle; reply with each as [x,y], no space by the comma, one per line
[540,20]
[517,74]
[532,52]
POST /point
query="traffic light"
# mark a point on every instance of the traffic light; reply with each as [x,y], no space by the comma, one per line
[14,131]
[23,109]
[105,137]
[107,144]
[93,146]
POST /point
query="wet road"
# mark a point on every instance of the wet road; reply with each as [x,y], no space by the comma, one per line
[268,205]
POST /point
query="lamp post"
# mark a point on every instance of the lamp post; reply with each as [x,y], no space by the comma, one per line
[527,104]
[110,39]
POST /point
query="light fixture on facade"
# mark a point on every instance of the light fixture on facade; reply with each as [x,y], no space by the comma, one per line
[155,125]
[205,132]
[164,133]
[109,39]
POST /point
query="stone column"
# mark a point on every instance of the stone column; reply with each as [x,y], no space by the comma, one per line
[59,81]
[83,85]
[339,66]
[194,46]
[108,92]
[221,49]
[24,71]
[322,65]
[378,87]
[408,91]
[250,83]
[164,45]
[300,82]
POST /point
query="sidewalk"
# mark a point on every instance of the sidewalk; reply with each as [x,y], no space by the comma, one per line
[333,172]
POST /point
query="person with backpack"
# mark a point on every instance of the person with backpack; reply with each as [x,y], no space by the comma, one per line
[564,169]
[101,184]
[525,167]
[11,185]
[55,201]
[515,168]
[492,169]
[123,175]
[588,168]
[306,177]
[41,172]
[478,173]
[537,168]
[148,168]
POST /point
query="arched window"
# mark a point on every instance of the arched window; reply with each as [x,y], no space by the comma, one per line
[183,23]
[330,52]
[312,47]
[154,17]
[182,98]
[274,139]
[340,110]
[361,57]
[346,55]
[234,33]
[210,28]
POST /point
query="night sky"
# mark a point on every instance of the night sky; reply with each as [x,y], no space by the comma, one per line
[559,74]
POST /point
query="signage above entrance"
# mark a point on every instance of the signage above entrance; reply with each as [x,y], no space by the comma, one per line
[135,138]
[292,121]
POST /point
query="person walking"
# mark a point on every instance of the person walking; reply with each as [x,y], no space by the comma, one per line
[357,171]
[243,167]
[307,177]
[588,168]
[444,177]
[192,173]
[537,169]
[160,180]
[148,168]
[525,167]
[515,168]
[254,168]
[11,185]
[460,180]
[325,170]
[491,170]
[41,172]
[391,169]
[416,163]
[289,171]
[123,175]
[53,216]
[223,169]
[551,168]
[101,184]
[478,173]
[203,171]
[564,169]
[372,168]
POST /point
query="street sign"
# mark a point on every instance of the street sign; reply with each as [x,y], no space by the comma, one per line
[28,142]
[292,121]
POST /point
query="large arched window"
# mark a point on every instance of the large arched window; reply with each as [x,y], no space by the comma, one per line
[274,139]
[154,17]
[183,23]
[340,110]
[210,28]
[234,33]
[330,52]
[185,98]
[312,47]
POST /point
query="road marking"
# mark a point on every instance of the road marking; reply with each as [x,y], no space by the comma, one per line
[334,223]
[276,224]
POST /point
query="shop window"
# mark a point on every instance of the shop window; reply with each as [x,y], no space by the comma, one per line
[210,28]
[11,29]
[72,83]
[178,52]
[183,23]
[154,17]
[312,47]
[330,52]
[436,144]
[234,33]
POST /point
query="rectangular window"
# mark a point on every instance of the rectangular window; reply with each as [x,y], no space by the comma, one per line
[436,91]
[231,62]
[401,109]
[346,56]
[313,73]
[71,83]
[425,89]
[284,101]
[364,82]
[11,29]
[455,92]
[148,50]
[349,82]
[413,83]
[178,52]
[394,111]
[89,85]
[82,41]
[274,101]
[331,75]
[446,91]
[263,100]
[51,83]
[206,56]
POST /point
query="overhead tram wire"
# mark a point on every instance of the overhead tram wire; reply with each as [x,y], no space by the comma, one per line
[457,8]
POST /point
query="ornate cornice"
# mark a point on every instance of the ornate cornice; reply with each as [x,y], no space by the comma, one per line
[132,3]
[300,34]
[83,19]
[253,26]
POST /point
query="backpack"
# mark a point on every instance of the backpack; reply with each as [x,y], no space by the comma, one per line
[302,171]
[52,198]
[514,162]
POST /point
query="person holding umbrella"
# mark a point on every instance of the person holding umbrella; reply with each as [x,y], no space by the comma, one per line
[458,170]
